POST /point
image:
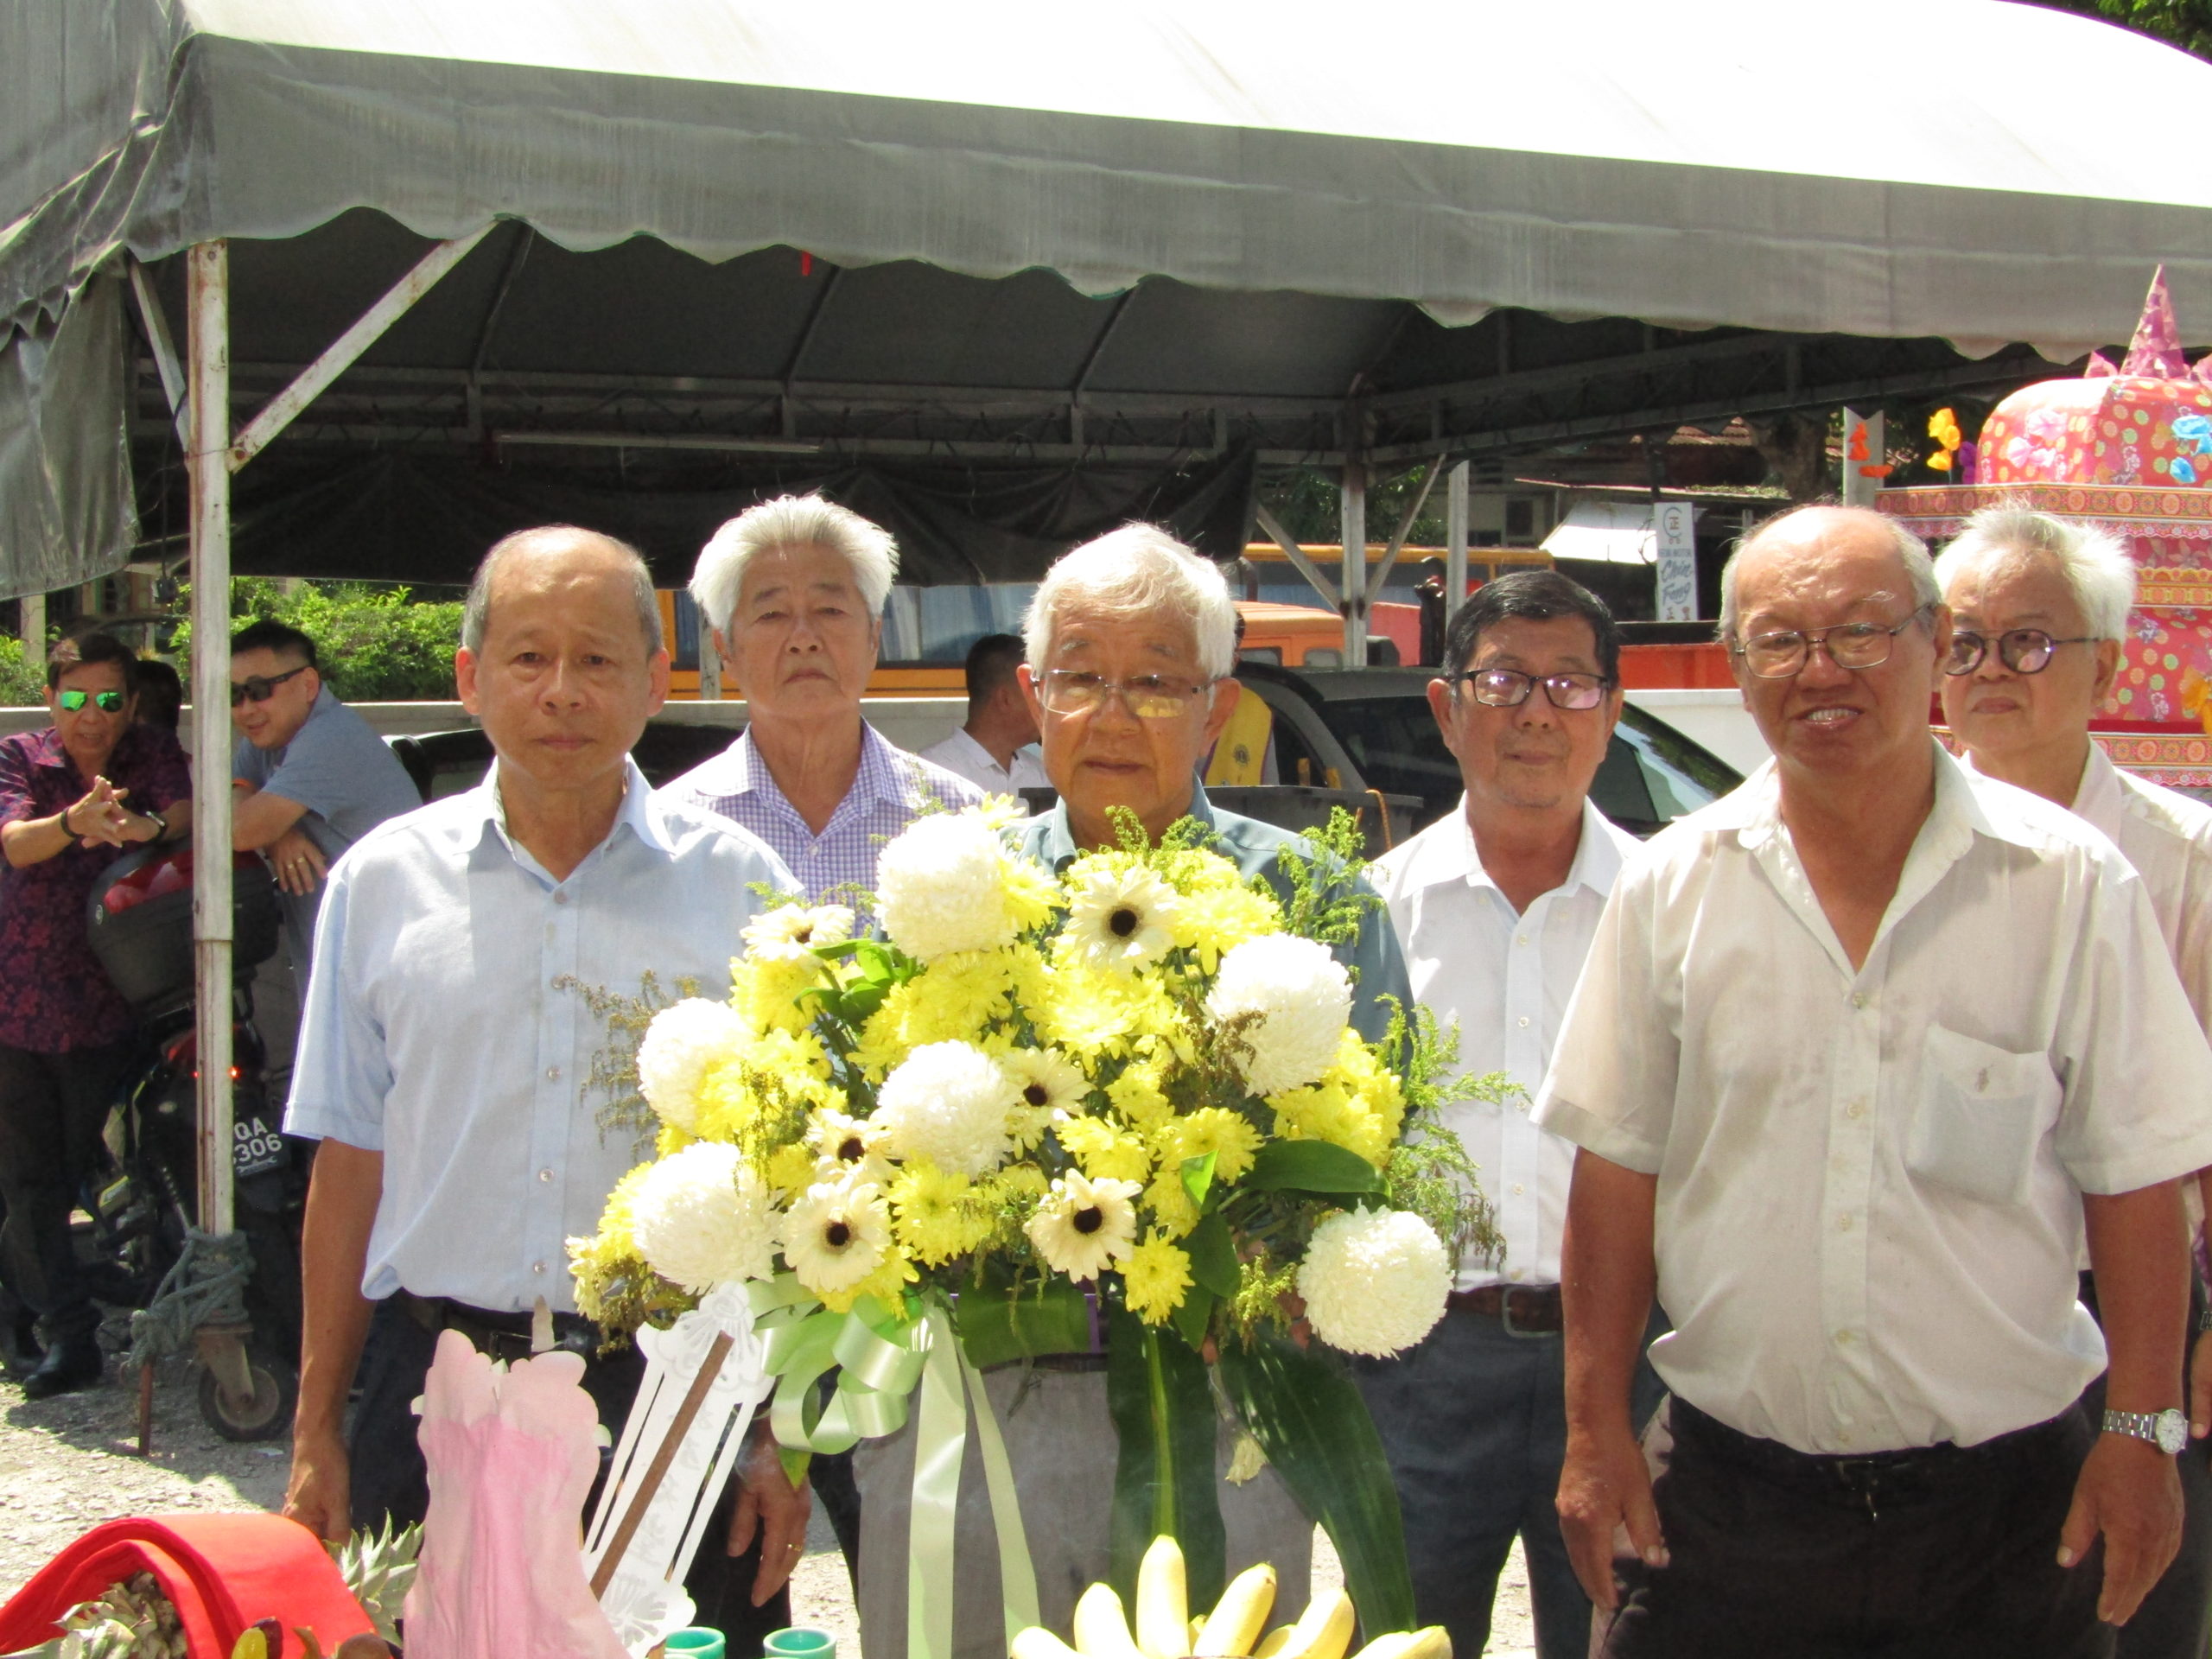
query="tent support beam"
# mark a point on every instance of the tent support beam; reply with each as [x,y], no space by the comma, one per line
[1298,556]
[281,411]
[1455,539]
[1382,571]
[156,324]
[207,279]
[1352,517]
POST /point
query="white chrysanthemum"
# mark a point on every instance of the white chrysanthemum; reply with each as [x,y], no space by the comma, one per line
[1121,919]
[849,1148]
[949,1103]
[1374,1281]
[939,887]
[702,1217]
[791,930]
[680,1045]
[1302,996]
[836,1234]
[1049,1083]
[1085,1226]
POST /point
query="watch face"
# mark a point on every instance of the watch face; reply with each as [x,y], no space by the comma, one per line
[2173,1432]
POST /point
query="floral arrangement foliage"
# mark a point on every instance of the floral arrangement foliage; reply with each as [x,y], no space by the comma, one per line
[1127,1095]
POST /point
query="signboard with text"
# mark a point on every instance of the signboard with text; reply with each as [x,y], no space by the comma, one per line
[1672,525]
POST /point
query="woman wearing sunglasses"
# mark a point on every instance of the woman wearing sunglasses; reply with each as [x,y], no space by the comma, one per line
[72,797]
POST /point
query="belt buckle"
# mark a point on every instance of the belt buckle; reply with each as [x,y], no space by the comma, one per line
[1505,1317]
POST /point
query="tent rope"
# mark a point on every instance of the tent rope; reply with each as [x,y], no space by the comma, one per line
[205,1287]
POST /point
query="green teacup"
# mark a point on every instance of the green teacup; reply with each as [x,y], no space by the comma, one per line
[695,1643]
[800,1643]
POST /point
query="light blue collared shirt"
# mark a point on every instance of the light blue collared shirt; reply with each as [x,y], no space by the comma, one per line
[440,1029]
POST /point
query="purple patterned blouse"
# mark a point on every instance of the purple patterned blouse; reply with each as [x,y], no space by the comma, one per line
[53,995]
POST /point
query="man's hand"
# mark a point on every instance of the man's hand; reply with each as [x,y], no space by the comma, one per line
[319,1496]
[298,862]
[1604,1489]
[2130,1491]
[769,1503]
[98,818]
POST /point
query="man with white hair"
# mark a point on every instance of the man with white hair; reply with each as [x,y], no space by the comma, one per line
[2040,608]
[794,590]
[1131,641]
[1861,1054]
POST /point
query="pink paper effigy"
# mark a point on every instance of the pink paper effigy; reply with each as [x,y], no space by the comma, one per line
[512,1455]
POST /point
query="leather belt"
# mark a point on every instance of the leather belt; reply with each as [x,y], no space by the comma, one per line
[496,1335]
[1524,1310]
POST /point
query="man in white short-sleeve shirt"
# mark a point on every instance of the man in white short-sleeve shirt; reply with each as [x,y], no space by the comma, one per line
[1861,1052]
[995,748]
[2040,607]
[1495,906]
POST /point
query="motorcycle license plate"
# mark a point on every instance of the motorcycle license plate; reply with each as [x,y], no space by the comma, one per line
[255,1147]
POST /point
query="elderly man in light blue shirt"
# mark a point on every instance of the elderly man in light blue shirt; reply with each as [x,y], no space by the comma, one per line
[446,1048]
[794,589]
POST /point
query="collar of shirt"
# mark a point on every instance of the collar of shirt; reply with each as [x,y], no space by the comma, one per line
[741,772]
[46,750]
[1058,845]
[1430,863]
[481,812]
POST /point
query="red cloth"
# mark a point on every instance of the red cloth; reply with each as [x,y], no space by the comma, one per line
[222,1572]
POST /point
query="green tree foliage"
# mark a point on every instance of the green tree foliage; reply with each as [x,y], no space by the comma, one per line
[376,644]
[2185,23]
[1307,502]
[21,684]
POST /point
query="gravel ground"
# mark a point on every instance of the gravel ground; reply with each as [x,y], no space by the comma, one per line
[68,1463]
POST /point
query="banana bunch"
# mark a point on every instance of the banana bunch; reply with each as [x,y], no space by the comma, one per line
[1165,1630]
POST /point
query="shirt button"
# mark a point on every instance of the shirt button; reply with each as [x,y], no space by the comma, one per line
[1522,1023]
[546,1175]
[560,897]
[1521,1106]
[1857,1109]
[1843,1339]
[1522,939]
[1843,1224]
[1518,1189]
[1859,999]
[537,1267]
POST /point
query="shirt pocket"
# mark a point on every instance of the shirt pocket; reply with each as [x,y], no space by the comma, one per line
[1980,1114]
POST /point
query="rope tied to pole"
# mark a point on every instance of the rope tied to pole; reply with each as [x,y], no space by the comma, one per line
[205,1287]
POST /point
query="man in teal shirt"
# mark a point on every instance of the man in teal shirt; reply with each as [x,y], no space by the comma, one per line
[1131,641]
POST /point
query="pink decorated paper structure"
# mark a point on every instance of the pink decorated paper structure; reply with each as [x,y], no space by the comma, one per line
[512,1454]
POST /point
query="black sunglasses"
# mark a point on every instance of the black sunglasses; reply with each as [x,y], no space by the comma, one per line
[260,688]
[107,702]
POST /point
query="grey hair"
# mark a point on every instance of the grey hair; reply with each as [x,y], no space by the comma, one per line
[476,614]
[1911,551]
[1127,571]
[2094,561]
[792,521]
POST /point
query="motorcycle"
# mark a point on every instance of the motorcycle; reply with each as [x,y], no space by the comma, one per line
[142,1201]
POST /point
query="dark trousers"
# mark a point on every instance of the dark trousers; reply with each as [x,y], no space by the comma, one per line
[2174,1621]
[1474,1420]
[1950,1553]
[389,1479]
[52,1110]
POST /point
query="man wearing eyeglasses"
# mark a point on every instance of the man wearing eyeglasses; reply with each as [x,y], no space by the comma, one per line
[1862,1053]
[2039,608]
[1495,906]
[312,776]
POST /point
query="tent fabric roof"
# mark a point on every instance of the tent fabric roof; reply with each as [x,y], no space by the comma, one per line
[1722,162]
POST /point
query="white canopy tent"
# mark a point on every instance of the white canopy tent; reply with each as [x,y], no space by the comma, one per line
[1284,198]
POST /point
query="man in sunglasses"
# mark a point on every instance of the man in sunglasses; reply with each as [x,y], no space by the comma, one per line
[1862,1053]
[312,776]
[1495,906]
[2039,608]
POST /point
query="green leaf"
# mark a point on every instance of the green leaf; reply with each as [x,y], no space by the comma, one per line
[997,1327]
[1162,1404]
[1193,1316]
[1310,1166]
[1213,1256]
[1197,1177]
[1311,1422]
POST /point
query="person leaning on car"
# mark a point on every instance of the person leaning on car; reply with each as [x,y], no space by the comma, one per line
[1495,906]
[72,797]
[311,777]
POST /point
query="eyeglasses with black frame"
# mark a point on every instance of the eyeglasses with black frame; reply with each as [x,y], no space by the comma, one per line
[1508,688]
[1149,696]
[2024,650]
[259,688]
[107,702]
[1852,646]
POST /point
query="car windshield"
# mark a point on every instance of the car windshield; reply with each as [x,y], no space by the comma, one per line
[1652,774]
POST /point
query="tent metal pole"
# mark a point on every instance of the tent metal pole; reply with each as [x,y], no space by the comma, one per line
[32,609]
[1380,575]
[1455,538]
[1297,556]
[208,344]
[164,350]
[1351,512]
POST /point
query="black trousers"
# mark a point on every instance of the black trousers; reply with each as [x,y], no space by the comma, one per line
[52,1110]
[1949,1554]
[390,1480]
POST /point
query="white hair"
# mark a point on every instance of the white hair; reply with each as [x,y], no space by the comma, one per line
[792,521]
[2094,561]
[1126,572]
[1912,553]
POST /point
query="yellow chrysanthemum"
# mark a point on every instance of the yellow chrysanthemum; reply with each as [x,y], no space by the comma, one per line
[1103,1150]
[790,1169]
[1140,1095]
[1157,1275]
[1377,1087]
[1213,923]
[766,990]
[887,1284]
[1194,872]
[671,1139]
[1014,1191]
[1328,1111]
[938,1215]
[1082,1013]
[1228,1135]
[1173,1214]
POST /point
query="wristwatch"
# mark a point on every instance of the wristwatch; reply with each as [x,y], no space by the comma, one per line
[2168,1430]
